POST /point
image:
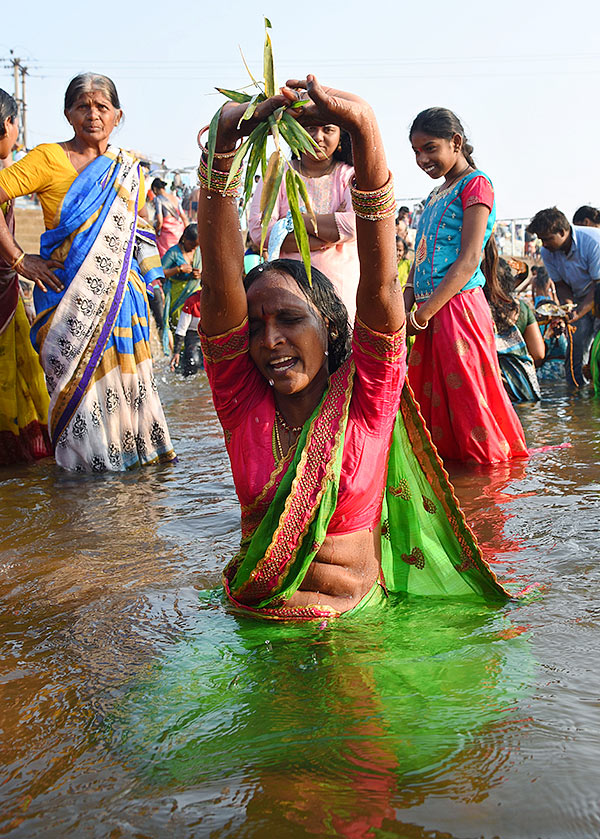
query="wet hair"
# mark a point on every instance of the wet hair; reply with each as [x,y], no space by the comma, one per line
[587,213]
[505,309]
[86,82]
[443,123]
[344,152]
[190,233]
[548,221]
[324,298]
[8,110]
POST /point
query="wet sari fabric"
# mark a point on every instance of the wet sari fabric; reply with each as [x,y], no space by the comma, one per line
[335,480]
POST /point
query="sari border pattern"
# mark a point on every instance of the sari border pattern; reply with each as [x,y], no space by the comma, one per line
[313,473]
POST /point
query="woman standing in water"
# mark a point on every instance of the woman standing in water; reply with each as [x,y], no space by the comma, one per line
[23,394]
[170,220]
[453,368]
[182,267]
[312,429]
[95,260]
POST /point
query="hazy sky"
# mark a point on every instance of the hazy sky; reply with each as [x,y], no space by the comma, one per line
[523,75]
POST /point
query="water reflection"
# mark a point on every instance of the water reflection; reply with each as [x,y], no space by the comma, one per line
[332,722]
[129,709]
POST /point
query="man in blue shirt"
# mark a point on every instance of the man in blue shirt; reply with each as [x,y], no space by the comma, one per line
[571,255]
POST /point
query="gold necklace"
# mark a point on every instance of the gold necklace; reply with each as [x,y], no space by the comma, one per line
[278,452]
[327,171]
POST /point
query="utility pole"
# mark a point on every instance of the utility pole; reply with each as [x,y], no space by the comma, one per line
[23,108]
[20,100]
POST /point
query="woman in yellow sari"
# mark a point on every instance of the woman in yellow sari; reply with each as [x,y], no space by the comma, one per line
[23,395]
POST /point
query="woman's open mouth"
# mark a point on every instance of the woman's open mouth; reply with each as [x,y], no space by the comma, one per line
[283,364]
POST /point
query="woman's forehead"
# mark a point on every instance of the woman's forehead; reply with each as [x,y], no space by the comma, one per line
[94,95]
[279,289]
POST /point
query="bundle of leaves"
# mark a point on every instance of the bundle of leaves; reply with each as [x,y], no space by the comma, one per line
[281,125]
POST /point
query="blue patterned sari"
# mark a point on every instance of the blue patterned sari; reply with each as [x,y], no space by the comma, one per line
[93,337]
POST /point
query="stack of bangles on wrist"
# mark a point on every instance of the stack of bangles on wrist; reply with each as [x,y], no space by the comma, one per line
[18,261]
[415,323]
[218,178]
[376,205]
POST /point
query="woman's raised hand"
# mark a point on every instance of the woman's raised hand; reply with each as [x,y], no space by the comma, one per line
[325,105]
[328,105]
[231,117]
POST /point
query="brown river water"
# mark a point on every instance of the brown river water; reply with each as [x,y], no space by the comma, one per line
[134,704]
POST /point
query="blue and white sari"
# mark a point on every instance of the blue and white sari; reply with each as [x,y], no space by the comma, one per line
[93,337]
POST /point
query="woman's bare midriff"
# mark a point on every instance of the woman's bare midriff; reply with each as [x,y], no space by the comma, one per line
[343,571]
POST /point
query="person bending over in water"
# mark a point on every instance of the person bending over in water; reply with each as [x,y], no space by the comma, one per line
[308,423]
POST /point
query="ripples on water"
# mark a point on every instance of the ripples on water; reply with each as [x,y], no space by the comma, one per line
[130,706]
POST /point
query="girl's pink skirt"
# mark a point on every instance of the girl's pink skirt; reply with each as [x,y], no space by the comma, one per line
[454,373]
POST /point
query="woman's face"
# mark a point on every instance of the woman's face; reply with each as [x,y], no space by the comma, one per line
[93,117]
[435,155]
[11,132]
[327,138]
[288,336]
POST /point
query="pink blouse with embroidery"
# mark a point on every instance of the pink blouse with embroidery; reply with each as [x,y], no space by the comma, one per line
[246,409]
[328,194]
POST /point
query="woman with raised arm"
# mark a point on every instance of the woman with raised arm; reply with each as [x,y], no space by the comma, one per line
[312,427]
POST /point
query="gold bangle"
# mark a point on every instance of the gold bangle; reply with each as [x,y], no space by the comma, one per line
[18,261]
[223,155]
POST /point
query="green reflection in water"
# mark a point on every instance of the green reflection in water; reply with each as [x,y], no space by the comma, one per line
[309,714]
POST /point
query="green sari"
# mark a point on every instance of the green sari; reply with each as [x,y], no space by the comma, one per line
[427,546]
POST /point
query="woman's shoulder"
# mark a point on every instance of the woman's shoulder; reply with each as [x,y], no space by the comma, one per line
[343,171]
[477,188]
[49,151]
[46,153]
[474,176]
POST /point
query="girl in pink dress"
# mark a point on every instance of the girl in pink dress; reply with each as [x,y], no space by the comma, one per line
[453,365]
[327,176]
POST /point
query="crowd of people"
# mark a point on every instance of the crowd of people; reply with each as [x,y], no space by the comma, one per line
[338,396]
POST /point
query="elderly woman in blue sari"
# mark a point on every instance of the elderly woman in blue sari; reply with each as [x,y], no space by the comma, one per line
[96,259]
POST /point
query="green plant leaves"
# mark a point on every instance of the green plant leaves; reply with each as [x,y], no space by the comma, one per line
[212,142]
[268,66]
[280,124]
[291,185]
[271,184]
[234,95]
